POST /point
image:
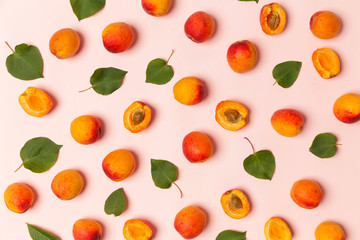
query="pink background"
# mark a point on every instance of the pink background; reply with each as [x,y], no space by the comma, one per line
[33,22]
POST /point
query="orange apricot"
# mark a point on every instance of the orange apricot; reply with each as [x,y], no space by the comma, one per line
[242,56]
[85,129]
[18,197]
[67,184]
[137,117]
[231,115]
[35,102]
[64,43]
[329,231]
[306,193]
[189,91]
[137,229]
[190,221]
[325,24]
[347,108]
[235,204]
[119,164]
[277,229]
[87,229]
[117,37]
[287,122]
[326,62]
[156,8]
[197,147]
[272,19]
[199,27]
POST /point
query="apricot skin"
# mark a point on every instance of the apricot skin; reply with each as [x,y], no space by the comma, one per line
[119,164]
[117,37]
[235,213]
[87,229]
[329,231]
[35,102]
[85,129]
[287,122]
[197,147]
[276,229]
[242,56]
[137,229]
[199,27]
[347,108]
[189,91]
[64,43]
[156,8]
[18,197]
[190,221]
[326,62]
[266,21]
[226,120]
[306,193]
[67,184]
[325,24]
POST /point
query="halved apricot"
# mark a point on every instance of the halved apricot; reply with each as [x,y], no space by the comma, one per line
[235,204]
[137,229]
[326,62]
[277,229]
[137,117]
[272,19]
[231,115]
[35,102]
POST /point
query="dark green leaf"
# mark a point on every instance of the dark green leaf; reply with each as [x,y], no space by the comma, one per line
[163,173]
[260,164]
[25,63]
[159,72]
[231,235]
[39,234]
[324,145]
[249,1]
[39,154]
[107,80]
[115,203]
[86,8]
[286,73]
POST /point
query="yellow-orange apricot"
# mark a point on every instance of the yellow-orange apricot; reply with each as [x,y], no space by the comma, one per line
[235,204]
[231,115]
[18,197]
[347,108]
[325,24]
[189,91]
[197,147]
[137,117]
[329,231]
[306,193]
[272,19]
[87,229]
[137,229]
[156,8]
[67,184]
[119,164]
[35,102]
[190,221]
[64,43]
[277,229]
[117,37]
[199,27]
[85,129]
[242,56]
[287,122]
[326,62]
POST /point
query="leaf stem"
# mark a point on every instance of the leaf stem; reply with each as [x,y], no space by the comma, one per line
[9,46]
[22,164]
[172,52]
[86,89]
[252,146]
[181,193]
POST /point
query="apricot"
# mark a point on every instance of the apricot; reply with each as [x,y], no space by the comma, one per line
[35,102]
[235,204]
[117,37]
[325,24]
[287,122]
[277,229]
[64,43]
[18,197]
[119,164]
[137,229]
[190,221]
[85,129]
[326,62]
[137,117]
[199,27]
[67,184]
[189,91]
[156,8]
[272,19]
[197,147]
[87,229]
[242,56]
[347,108]
[329,231]
[306,193]
[231,115]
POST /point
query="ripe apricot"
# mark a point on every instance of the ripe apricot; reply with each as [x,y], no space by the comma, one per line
[85,129]
[117,37]
[306,193]
[189,91]
[199,27]
[347,108]
[119,164]
[272,19]
[190,221]
[325,24]
[329,231]
[35,102]
[197,147]
[67,184]
[156,8]
[231,115]
[64,43]
[277,229]
[235,204]
[137,117]
[326,62]
[87,229]
[137,229]
[18,197]
[287,122]
[242,56]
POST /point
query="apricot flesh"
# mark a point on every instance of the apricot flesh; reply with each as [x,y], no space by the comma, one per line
[197,147]
[87,229]
[156,8]
[231,115]
[190,221]
[67,184]
[137,229]
[117,37]
[287,122]
[119,164]
[86,129]
[64,43]
[272,19]
[329,231]
[18,197]
[199,27]
[235,204]
[347,108]
[137,117]
[306,193]
[325,24]
[326,62]
[242,56]
[189,91]
[277,229]
[35,102]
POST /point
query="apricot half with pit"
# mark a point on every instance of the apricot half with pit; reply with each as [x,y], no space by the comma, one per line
[277,229]
[231,115]
[137,117]
[137,229]
[272,19]
[235,204]
[35,102]
[326,62]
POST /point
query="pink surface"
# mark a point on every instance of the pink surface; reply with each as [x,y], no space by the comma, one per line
[34,22]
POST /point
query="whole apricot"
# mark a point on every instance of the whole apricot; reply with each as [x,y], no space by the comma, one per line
[242,56]
[306,193]
[137,229]
[231,115]
[64,43]
[85,129]
[287,122]
[87,229]
[117,37]
[67,184]
[199,27]
[137,117]
[156,8]
[272,19]
[347,108]
[189,91]
[35,102]
[277,229]
[19,197]
[326,62]
[197,147]
[119,164]
[190,221]
[325,24]
[329,231]
[235,204]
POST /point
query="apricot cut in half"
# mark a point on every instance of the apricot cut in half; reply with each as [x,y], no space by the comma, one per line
[231,115]
[272,19]
[35,102]
[277,229]
[137,117]
[326,62]
[235,204]
[137,229]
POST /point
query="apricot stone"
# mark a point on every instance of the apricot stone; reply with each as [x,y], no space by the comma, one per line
[35,102]
[272,19]
[199,27]
[85,129]
[231,115]
[64,43]
[235,204]
[137,229]
[87,229]
[119,164]
[287,122]
[18,197]
[117,37]
[189,91]
[306,193]
[67,184]
[277,229]
[137,117]
[190,221]
[197,147]
[329,231]
[156,8]
[326,62]
[242,56]
[325,24]
[347,108]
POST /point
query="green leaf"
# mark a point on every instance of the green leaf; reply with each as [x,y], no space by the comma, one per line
[159,72]
[39,154]
[286,73]
[25,63]
[86,8]
[107,80]
[231,235]
[115,203]
[39,234]
[324,145]
[249,1]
